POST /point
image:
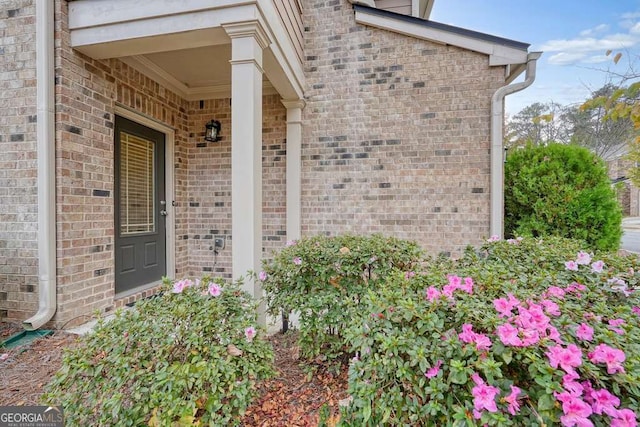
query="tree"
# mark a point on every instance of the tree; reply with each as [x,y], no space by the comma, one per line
[621,105]
[591,129]
[537,124]
[561,190]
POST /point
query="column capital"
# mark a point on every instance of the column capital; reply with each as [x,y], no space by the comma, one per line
[293,103]
[248,29]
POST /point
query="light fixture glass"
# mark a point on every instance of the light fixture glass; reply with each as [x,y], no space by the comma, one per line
[212,131]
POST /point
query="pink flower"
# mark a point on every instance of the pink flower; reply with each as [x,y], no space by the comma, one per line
[636,310]
[571,265]
[262,276]
[215,290]
[409,274]
[467,335]
[603,401]
[447,290]
[454,281]
[512,400]
[551,307]
[583,258]
[297,260]
[571,385]
[482,342]
[291,243]
[555,291]
[624,418]
[249,333]
[609,355]
[597,266]
[181,285]
[508,334]
[613,325]
[432,372]
[616,322]
[619,285]
[584,332]
[468,285]
[432,293]
[504,306]
[484,397]
[493,238]
[567,358]
[576,413]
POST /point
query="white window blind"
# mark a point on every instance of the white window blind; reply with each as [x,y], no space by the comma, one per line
[136,185]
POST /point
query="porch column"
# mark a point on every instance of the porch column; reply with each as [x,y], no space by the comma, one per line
[294,167]
[248,39]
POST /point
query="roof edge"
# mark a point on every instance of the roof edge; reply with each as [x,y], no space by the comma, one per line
[443,27]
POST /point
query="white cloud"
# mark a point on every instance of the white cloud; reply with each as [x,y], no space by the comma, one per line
[592,44]
[566,58]
[595,30]
[597,59]
[635,29]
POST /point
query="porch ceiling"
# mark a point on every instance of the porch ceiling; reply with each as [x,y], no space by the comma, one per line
[183,45]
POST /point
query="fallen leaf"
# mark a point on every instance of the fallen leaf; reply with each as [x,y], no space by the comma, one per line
[233,350]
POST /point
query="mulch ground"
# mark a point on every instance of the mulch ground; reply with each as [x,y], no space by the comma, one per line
[293,398]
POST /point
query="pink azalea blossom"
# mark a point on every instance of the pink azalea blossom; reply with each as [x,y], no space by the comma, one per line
[553,334]
[624,418]
[215,290]
[571,385]
[508,334]
[291,243]
[551,307]
[571,265]
[262,276]
[613,325]
[583,258]
[609,355]
[250,333]
[467,335]
[619,285]
[181,285]
[454,280]
[512,400]
[468,285]
[484,398]
[493,238]
[432,372]
[482,342]
[530,337]
[636,310]
[555,291]
[504,306]
[576,413]
[447,290]
[297,260]
[432,293]
[604,402]
[567,358]
[597,266]
[409,274]
[584,332]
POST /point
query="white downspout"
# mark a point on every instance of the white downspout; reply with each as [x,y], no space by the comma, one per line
[497,150]
[45,133]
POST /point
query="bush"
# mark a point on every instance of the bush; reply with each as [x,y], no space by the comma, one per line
[524,332]
[561,190]
[189,355]
[323,279]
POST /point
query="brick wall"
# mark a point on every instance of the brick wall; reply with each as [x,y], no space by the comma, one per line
[18,169]
[396,133]
[210,184]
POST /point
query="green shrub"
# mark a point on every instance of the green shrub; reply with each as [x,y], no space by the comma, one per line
[434,349]
[185,356]
[561,190]
[323,279]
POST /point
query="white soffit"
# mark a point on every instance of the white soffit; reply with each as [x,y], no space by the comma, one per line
[499,53]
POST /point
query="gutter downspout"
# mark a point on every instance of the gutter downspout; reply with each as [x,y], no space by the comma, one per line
[45,133]
[497,150]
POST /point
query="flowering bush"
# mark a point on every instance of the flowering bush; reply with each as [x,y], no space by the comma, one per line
[191,355]
[523,332]
[323,279]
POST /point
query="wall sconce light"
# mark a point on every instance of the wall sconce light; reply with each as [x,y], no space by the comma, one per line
[212,131]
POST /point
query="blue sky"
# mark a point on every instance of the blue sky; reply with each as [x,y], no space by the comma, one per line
[574,35]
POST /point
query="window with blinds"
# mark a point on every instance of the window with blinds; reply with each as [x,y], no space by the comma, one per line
[136,185]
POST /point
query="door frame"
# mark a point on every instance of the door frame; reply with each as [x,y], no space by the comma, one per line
[169,134]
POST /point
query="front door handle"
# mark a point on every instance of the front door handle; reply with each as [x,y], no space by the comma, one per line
[163,213]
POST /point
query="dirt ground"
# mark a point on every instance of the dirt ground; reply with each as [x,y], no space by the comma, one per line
[292,398]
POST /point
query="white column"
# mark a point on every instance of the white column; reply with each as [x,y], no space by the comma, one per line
[248,39]
[294,167]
